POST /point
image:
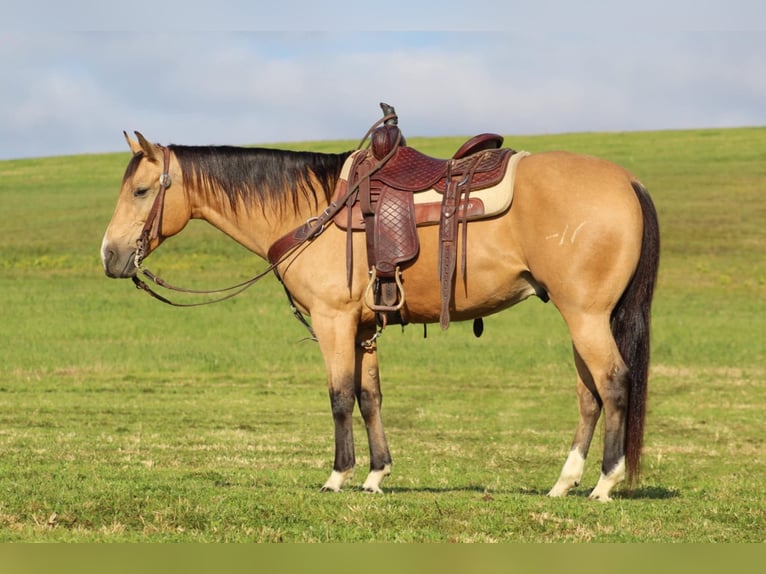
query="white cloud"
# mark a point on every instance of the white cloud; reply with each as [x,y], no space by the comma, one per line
[76,92]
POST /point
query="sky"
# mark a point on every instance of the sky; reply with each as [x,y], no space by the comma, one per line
[76,74]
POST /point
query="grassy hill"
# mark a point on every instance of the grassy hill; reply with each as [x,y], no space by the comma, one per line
[122,419]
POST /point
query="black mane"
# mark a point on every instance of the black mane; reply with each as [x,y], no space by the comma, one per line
[260,176]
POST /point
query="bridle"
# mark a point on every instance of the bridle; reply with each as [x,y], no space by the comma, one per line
[152,231]
[153,223]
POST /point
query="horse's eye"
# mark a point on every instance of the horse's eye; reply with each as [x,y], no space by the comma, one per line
[140,192]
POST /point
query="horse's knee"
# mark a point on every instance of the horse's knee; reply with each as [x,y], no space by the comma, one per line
[369,402]
[368,393]
[341,403]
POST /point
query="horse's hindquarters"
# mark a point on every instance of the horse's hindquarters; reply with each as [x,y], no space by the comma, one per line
[579,226]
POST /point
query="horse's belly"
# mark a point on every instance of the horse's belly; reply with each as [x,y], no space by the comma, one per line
[495,277]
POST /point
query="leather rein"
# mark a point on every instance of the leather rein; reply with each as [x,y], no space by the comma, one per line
[313,227]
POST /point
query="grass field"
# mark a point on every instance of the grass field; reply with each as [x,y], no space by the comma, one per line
[125,420]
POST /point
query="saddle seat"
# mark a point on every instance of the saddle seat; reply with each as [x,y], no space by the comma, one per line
[413,171]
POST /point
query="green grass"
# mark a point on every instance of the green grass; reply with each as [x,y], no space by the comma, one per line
[125,420]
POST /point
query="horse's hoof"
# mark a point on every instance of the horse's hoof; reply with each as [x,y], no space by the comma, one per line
[372,489]
[600,497]
[375,478]
[336,480]
[561,488]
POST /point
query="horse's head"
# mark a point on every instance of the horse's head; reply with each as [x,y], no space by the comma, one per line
[151,207]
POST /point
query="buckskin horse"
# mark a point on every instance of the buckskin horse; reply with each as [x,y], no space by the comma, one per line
[580,231]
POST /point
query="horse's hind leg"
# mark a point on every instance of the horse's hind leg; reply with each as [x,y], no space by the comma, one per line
[370,398]
[589,405]
[602,372]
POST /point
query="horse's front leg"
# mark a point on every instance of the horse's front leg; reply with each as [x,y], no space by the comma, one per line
[370,398]
[336,338]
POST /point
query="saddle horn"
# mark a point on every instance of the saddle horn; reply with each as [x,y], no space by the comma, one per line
[389,110]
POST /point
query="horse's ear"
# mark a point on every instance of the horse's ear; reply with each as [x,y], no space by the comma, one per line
[135,147]
[151,151]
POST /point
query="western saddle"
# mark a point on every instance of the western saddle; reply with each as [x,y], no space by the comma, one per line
[376,193]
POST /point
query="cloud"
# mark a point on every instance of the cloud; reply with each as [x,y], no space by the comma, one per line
[76,92]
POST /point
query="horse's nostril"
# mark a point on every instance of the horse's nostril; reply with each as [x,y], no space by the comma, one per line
[107,257]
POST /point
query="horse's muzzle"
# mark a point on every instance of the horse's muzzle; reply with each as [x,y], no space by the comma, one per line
[118,266]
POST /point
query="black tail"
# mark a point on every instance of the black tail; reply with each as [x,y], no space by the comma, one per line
[631,326]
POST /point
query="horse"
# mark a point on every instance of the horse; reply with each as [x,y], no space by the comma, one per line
[581,232]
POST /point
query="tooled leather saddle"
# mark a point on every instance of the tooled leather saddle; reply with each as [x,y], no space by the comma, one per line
[387,176]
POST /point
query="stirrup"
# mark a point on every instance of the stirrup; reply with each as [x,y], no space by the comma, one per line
[384,308]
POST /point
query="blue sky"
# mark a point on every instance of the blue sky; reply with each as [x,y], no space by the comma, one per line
[235,72]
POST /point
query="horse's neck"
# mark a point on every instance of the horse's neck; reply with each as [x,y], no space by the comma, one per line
[255,227]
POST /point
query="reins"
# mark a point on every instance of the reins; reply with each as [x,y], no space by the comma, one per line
[313,227]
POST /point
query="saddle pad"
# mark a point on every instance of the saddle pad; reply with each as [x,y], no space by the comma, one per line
[483,203]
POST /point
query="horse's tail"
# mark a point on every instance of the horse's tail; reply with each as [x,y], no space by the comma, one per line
[630,327]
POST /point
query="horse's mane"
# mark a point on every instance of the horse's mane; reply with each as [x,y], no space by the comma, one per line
[260,176]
